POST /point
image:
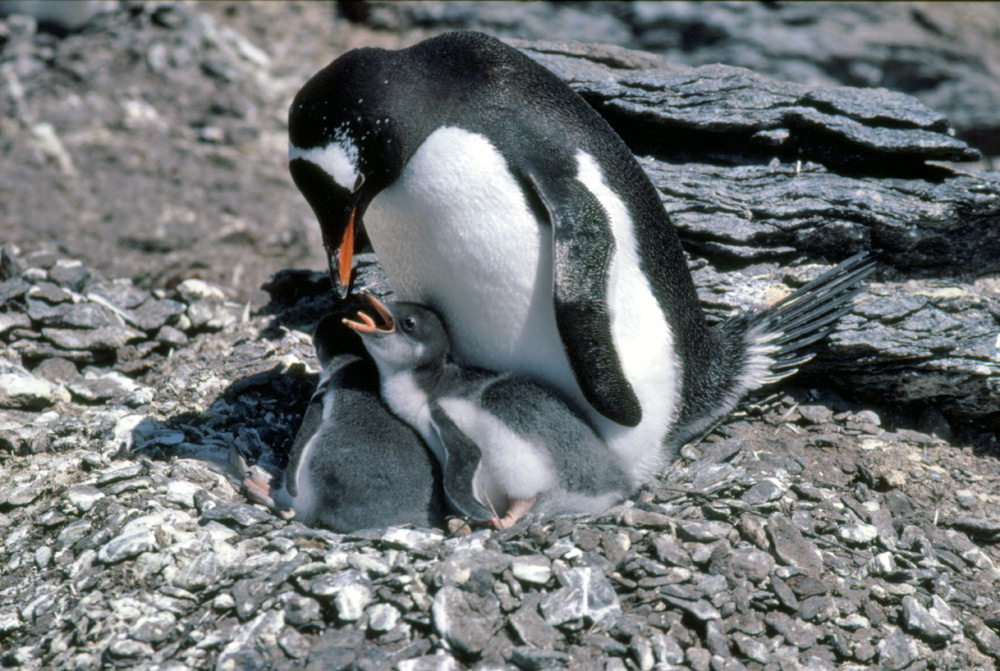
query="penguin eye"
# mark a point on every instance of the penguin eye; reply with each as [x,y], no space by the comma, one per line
[408,324]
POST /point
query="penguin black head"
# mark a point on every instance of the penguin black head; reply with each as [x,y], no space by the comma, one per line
[406,337]
[354,125]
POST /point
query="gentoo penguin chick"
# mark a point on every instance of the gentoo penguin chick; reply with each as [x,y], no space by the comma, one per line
[493,192]
[353,464]
[506,444]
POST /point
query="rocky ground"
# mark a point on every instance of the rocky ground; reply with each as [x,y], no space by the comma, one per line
[147,333]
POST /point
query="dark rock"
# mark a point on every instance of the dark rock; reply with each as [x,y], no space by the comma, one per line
[585,596]
[242,514]
[764,491]
[800,634]
[70,274]
[110,337]
[791,547]
[50,293]
[896,651]
[467,621]
[152,315]
[531,628]
[13,320]
[918,621]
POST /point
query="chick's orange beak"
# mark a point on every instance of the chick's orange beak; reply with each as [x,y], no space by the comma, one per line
[367,325]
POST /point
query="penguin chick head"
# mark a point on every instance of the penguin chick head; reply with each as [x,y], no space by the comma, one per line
[402,336]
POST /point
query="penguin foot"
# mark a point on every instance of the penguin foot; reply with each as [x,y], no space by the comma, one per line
[259,491]
[518,508]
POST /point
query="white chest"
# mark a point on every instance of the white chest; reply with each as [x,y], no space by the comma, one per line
[455,232]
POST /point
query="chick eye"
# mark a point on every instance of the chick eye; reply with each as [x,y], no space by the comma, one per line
[408,324]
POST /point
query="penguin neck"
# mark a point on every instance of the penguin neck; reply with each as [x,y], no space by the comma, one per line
[409,393]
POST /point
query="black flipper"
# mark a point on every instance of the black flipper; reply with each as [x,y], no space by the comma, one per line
[311,422]
[462,457]
[582,247]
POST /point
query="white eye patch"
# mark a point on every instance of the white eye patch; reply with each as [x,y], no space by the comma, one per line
[339,159]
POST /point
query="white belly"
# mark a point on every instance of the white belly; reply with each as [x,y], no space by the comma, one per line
[448,236]
[455,232]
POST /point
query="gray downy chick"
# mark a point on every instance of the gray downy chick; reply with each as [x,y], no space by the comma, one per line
[506,444]
[353,464]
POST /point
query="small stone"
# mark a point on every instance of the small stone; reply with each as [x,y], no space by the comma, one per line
[525,657]
[153,628]
[466,620]
[791,547]
[816,414]
[531,628]
[13,320]
[57,370]
[182,492]
[800,634]
[586,595]
[10,620]
[102,388]
[752,563]
[253,645]
[172,337]
[201,572]
[437,662]
[83,497]
[126,648]
[244,515]
[301,610]
[535,570]
[751,648]
[351,602]
[918,621]
[23,391]
[155,315]
[700,608]
[703,532]
[896,651]
[43,556]
[382,617]
[412,540]
[50,293]
[107,338]
[858,534]
[766,490]
[294,644]
[71,315]
[70,273]
[118,474]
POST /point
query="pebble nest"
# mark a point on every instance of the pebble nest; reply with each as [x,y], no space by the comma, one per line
[802,534]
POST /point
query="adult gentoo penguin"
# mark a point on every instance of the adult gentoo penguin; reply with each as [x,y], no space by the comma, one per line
[493,193]
[506,444]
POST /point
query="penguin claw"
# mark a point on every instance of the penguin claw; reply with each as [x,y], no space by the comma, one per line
[258,491]
[518,508]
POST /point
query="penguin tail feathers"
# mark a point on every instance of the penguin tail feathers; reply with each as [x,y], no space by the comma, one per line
[777,338]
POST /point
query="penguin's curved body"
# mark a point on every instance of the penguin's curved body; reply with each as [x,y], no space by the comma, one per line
[353,465]
[496,195]
[506,445]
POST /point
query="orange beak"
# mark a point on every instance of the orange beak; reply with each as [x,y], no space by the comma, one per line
[367,325]
[345,255]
